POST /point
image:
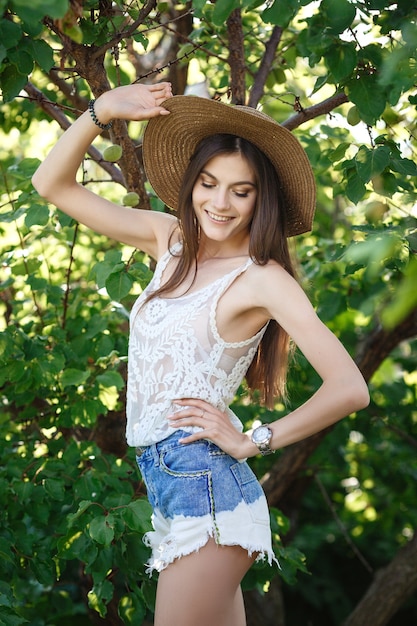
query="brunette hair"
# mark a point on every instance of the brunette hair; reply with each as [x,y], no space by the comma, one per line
[268,370]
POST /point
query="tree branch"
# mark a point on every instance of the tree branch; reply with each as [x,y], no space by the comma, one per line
[265,67]
[316,110]
[143,14]
[380,343]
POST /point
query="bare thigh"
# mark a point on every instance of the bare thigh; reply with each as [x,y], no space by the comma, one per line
[203,588]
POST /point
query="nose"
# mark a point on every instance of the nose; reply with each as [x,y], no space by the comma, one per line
[221,199]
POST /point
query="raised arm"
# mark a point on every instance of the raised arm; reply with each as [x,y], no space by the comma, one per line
[55,178]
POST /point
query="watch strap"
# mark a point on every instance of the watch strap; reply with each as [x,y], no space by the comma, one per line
[264,446]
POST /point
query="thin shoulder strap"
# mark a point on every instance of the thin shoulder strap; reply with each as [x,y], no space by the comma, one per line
[228,279]
[163,262]
[231,276]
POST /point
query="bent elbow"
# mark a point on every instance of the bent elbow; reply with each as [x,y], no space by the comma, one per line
[40,184]
[360,394]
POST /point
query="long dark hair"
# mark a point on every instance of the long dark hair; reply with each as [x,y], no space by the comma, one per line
[267,241]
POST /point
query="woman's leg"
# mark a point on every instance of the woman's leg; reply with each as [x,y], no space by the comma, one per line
[203,588]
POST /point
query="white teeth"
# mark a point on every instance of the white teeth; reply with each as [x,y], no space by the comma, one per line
[218,218]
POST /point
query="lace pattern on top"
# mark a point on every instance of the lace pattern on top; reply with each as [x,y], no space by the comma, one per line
[176,351]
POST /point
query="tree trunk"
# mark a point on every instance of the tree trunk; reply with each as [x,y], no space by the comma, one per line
[390,588]
[236,57]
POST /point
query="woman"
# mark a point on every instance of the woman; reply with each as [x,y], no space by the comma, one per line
[222,304]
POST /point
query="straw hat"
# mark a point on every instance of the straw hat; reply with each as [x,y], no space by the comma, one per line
[169,142]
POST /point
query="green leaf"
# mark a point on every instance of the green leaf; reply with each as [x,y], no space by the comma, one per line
[23,170]
[54,487]
[140,38]
[405,297]
[72,376]
[339,14]
[223,9]
[320,82]
[291,561]
[37,214]
[385,184]
[368,96]
[113,256]
[85,487]
[101,529]
[103,269]
[132,608]
[82,507]
[95,326]
[102,565]
[43,54]
[12,82]
[10,33]
[3,53]
[375,250]
[371,162]
[24,491]
[280,13]
[119,284]
[99,596]
[198,7]
[404,166]
[9,618]
[341,60]
[339,152]
[137,515]
[37,9]
[44,571]
[330,305]
[140,273]
[355,189]
[76,544]
[22,59]
[111,379]
[37,283]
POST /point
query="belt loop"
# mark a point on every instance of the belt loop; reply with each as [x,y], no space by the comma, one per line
[155,454]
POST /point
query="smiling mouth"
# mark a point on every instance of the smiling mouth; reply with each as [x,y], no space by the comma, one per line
[218,218]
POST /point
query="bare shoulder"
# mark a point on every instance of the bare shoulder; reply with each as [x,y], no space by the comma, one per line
[275,291]
[270,276]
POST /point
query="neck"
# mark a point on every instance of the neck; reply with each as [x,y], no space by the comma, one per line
[221,250]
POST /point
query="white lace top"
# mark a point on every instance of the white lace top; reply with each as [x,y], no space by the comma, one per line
[176,351]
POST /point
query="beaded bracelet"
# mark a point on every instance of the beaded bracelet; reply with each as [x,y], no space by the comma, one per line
[95,118]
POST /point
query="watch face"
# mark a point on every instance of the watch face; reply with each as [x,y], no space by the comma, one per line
[262,434]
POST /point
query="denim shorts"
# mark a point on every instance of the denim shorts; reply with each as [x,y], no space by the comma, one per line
[197,491]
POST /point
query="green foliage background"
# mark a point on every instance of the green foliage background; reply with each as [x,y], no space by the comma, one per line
[342,75]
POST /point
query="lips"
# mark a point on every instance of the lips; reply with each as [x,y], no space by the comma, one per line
[220,219]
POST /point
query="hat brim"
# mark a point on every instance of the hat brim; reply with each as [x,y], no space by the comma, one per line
[170,140]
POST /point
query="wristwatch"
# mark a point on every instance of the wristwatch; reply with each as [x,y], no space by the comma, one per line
[261,437]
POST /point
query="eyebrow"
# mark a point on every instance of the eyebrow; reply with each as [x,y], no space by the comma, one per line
[240,182]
